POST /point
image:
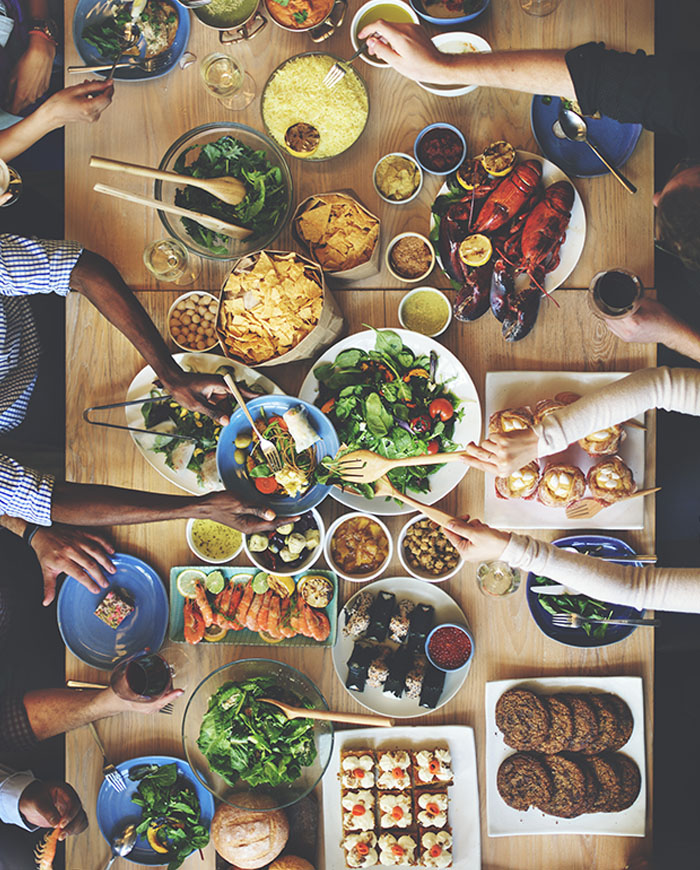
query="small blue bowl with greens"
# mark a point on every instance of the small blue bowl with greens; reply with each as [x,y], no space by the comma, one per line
[543,607]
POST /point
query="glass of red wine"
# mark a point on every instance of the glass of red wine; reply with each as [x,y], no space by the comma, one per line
[147,676]
[615,293]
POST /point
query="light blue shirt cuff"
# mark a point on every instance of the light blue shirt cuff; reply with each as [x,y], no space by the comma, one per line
[11,790]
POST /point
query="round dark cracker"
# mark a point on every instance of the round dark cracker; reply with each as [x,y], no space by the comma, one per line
[608,737]
[522,718]
[523,781]
[608,782]
[630,781]
[625,720]
[561,727]
[571,787]
[585,721]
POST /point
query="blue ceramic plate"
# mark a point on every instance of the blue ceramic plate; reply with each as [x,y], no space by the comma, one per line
[577,636]
[95,643]
[446,22]
[234,475]
[115,809]
[89,11]
[615,140]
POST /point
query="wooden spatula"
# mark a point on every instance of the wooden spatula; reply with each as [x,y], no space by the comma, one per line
[364,466]
[385,487]
[585,508]
[330,715]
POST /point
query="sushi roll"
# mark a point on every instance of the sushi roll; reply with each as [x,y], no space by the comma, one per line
[358,666]
[379,616]
[421,621]
[379,667]
[400,621]
[433,684]
[357,614]
[399,665]
[414,678]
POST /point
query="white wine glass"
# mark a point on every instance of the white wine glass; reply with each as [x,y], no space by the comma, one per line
[168,261]
[539,8]
[225,79]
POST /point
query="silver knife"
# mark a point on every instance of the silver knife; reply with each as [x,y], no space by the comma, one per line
[553,590]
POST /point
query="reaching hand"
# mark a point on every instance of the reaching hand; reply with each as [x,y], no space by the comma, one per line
[84,102]
[475,541]
[247,518]
[52,805]
[200,392]
[145,707]
[30,78]
[67,549]
[407,48]
[503,452]
[651,322]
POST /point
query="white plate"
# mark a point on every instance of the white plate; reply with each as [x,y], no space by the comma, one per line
[514,389]
[449,369]
[463,811]
[455,42]
[504,821]
[206,363]
[446,610]
[570,251]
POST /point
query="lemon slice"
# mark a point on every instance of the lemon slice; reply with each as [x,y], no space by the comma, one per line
[215,632]
[215,582]
[268,638]
[153,841]
[282,585]
[475,250]
[498,158]
[187,581]
[137,8]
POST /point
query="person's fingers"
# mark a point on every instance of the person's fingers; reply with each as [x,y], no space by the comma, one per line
[462,544]
[102,540]
[382,51]
[259,511]
[45,808]
[49,585]
[459,527]
[77,826]
[5,198]
[100,560]
[67,803]
[83,578]
[381,28]
[83,559]
[90,86]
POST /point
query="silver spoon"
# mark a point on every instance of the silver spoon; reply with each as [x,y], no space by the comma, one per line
[130,36]
[122,844]
[574,128]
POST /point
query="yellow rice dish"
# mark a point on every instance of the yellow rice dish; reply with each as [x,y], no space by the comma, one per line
[296,93]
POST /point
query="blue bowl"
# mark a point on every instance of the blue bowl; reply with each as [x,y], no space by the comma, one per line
[417,6]
[427,129]
[234,475]
[115,809]
[462,628]
[89,11]
[94,642]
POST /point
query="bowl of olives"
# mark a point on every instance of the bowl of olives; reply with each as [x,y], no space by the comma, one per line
[290,548]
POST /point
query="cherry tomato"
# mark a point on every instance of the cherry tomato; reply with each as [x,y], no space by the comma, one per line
[327,407]
[433,446]
[441,408]
[420,425]
[265,485]
[279,420]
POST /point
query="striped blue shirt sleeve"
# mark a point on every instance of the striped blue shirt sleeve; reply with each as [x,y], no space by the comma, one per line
[25,493]
[35,265]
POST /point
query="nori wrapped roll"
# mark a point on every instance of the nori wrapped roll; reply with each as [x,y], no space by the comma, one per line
[400,622]
[357,614]
[379,616]
[421,622]
[378,667]
[433,684]
[358,665]
[414,678]
[399,663]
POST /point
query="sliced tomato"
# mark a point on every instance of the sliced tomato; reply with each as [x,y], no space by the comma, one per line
[327,407]
[265,485]
[279,420]
[441,408]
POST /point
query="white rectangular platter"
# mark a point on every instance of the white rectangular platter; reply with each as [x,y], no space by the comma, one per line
[463,813]
[515,389]
[504,821]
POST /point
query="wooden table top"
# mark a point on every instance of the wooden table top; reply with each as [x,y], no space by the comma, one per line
[101,363]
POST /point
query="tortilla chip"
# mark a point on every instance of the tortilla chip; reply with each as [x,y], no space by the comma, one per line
[339,233]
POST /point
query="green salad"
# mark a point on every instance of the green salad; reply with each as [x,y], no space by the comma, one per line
[242,738]
[262,208]
[390,401]
[171,812]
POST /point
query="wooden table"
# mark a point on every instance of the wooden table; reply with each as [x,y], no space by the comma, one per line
[100,365]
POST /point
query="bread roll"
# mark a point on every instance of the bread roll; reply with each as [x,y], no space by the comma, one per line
[291,862]
[249,839]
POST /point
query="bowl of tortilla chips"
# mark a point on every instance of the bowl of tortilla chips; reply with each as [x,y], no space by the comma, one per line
[339,233]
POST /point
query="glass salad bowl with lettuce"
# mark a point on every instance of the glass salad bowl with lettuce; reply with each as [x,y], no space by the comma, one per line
[238,151]
[237,745]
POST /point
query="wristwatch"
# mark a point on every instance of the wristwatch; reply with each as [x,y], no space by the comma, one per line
[47,28]
[29,532]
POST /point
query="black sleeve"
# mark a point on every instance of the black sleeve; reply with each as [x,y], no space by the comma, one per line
[658,91]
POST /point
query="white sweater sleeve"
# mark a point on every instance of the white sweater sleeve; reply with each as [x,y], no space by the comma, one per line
[670,389]
[675,589]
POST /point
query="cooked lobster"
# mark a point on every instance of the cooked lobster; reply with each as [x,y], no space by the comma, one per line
[509,198]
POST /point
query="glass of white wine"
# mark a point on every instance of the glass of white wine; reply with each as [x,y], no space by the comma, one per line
[225,79]
[168,261]
[497,579]
[540,8]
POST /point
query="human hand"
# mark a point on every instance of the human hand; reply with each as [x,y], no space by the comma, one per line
[407,48]
[503,452]
[199,392]
[83,102]
[652,322]
[51,805]
[31,75]
[67,549]
[225,508]
[475,541]
[121,705]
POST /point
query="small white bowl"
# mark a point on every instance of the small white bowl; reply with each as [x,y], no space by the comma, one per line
[211,298]
[357,578]
[387,258]
[415,572]
[420,178]
[437,293]
[200,555]
[362,11]
[449,43]
[283,571]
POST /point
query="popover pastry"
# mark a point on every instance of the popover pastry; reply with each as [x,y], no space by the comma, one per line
[605,442]
[561,485]
[610,480]
[567,397]
[519,484]
[510,420]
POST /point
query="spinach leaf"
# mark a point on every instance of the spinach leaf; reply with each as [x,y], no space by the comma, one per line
[378,419]
[389,342]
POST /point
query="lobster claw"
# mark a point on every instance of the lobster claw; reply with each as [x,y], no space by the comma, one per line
[522,314]
[473,299]
[502,290]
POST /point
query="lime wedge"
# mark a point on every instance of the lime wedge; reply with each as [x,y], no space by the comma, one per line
[187,581]
[215,582]
[260,584]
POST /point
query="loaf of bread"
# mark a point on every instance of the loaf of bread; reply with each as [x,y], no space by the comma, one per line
[291,862]
[249,838]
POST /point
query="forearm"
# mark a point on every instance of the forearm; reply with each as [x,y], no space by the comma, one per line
[55,711]
[533,71]
[13,524]
[16,139]
[684,340]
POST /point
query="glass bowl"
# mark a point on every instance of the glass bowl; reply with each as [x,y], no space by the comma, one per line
[195,139]
[291,686]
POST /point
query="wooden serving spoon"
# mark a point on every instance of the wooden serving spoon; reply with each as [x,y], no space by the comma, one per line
[385,487]
[227,189]
[330,715]
[585,508]
[364,466]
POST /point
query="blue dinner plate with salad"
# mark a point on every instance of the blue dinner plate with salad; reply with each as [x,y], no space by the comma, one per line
[92,28]
[245,475]
[599,546]
[94,642]
[115,810]
[615,140]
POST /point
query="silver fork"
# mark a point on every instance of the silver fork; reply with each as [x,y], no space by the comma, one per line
[575,620]
[337,72]
[269,451]
[109,771]
[150,65]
